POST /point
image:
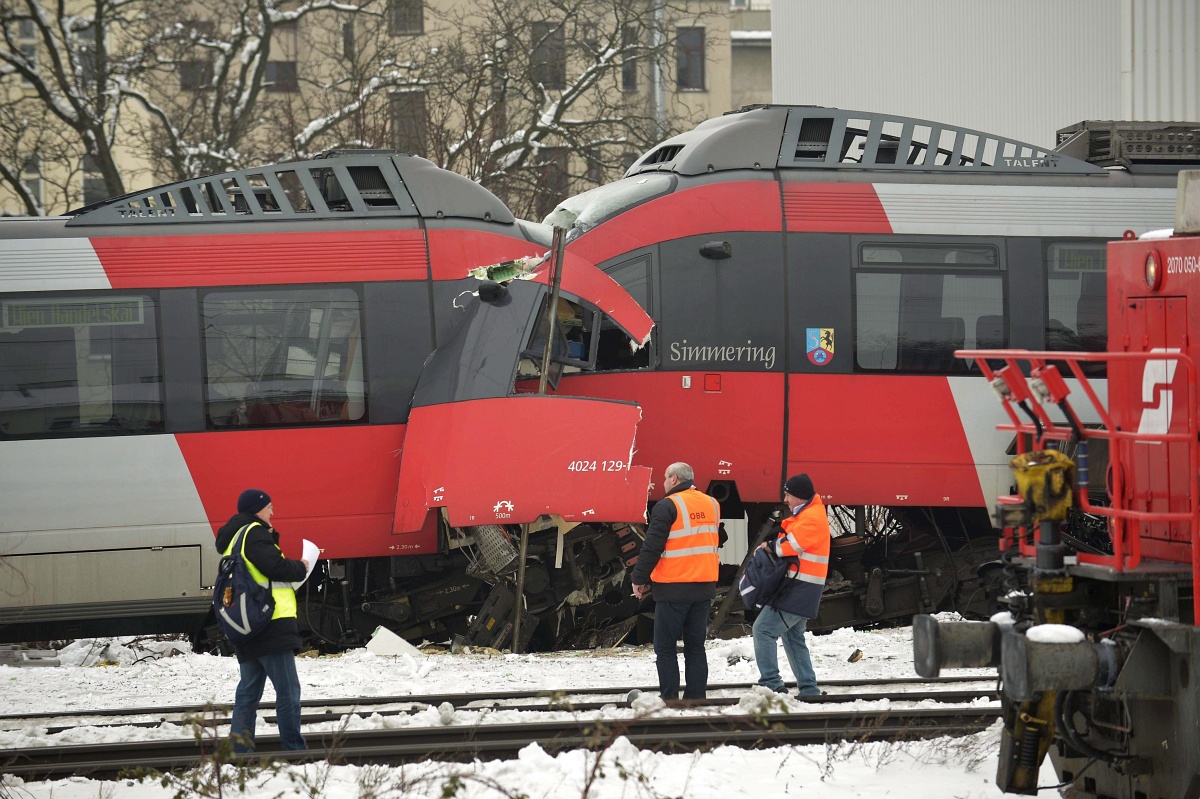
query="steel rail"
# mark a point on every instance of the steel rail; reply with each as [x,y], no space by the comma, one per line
[460,699]
[552,705]
[503,741]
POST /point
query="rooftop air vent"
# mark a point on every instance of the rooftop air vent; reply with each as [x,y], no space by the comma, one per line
[1137,146]
[663,155]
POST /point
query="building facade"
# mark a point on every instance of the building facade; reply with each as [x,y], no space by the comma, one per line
[337,79]
[1017,68]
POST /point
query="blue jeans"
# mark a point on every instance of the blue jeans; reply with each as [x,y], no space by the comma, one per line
[671,620]
[280,668]
[770,625]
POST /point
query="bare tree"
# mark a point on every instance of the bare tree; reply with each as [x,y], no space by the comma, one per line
[73,60]
[534,99]
[31,142]
[538,98]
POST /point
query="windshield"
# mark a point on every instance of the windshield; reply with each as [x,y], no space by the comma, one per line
[595,206]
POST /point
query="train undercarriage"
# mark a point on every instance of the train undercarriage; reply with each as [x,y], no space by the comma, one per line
[888,564]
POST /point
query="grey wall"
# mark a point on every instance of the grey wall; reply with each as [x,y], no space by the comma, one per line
[1020,68]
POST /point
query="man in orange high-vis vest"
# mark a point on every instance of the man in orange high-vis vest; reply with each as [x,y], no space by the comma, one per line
[803,540]
[679,562]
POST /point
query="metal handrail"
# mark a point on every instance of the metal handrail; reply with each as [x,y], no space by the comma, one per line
[1127,551]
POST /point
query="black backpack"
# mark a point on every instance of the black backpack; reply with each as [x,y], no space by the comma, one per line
[764,578]
[242,606]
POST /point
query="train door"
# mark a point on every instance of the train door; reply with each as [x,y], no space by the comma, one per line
[721,352]
[1145,400]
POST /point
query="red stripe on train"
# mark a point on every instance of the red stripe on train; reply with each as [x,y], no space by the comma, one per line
[455,252]
[228,259]
[749,205]
[834,208]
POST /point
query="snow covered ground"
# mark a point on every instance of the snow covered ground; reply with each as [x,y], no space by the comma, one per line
[104,674]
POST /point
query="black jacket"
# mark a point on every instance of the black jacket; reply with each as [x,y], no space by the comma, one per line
[661,519]
[262,550]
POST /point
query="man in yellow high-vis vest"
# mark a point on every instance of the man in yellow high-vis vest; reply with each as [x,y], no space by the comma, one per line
[271,654]
[678,563]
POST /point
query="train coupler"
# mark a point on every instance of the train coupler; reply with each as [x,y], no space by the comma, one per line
[1028,729]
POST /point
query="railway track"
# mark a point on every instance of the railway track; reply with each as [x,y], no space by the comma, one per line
[576,699]
[683,733]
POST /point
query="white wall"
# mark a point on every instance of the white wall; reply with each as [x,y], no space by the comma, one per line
[1018,68]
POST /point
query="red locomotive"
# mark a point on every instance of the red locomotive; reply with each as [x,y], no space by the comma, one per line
[1097,650]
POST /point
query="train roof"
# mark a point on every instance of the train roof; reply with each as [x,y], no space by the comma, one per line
[833,140]
[353,184]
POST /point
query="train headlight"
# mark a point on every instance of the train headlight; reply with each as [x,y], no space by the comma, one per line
[1154,270]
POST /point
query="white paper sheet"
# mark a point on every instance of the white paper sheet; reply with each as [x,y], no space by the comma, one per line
[311,553]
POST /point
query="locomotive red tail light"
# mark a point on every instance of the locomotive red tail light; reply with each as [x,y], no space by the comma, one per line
[1154,270]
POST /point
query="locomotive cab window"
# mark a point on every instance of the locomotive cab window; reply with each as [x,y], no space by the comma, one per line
[918,302]
[79,364]
[283,357]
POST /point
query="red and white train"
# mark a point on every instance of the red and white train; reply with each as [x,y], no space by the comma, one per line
[160,352]
[811,271]
[779,290]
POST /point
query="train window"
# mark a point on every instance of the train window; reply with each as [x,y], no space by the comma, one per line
[574,347]
[80,363]
[634,277]
[1076,295]
[920,254]
[283,356]
[916,303]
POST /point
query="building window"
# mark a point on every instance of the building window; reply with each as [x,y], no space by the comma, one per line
[629,64]
[281,77]
[27,46]
[349,46]
[410,122]
[549,59]
[31,176]
[406,17]
[195,75]
[79,364]
[85,40]
[289,356]
[94,188]
[689,58]
[553,181]
[916,303]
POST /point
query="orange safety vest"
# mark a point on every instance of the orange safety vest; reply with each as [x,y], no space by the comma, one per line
[806,537]
[690,555]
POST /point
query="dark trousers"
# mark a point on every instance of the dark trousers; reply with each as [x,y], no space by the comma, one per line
[690,620]
[280,669]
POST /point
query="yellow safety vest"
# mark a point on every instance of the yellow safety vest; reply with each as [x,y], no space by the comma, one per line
[285,597]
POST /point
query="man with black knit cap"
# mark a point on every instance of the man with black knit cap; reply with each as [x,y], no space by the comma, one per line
[271,654]
[803,540]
